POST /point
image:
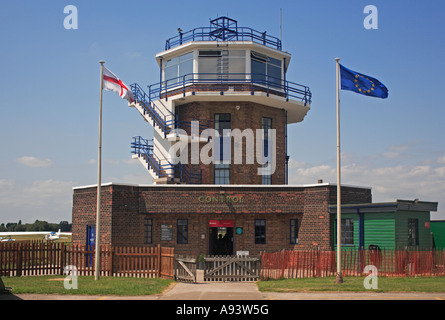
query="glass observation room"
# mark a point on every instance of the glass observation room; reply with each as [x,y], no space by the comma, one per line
[224,57]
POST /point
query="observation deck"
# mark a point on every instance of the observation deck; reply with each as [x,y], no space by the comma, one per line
[223,29]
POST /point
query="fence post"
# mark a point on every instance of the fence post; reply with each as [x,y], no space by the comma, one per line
[111,261]
[158,263]
[62,258]
[19,260]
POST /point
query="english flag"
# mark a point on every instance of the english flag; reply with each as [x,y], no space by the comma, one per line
[113,83]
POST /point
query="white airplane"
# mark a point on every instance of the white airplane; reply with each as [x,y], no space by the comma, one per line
[6,239]
[54,236]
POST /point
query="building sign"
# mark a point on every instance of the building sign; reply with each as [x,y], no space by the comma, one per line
[221,199]
[166,232]
[221,223]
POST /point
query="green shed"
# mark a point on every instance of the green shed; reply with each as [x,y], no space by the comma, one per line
[391,225]
[438,231]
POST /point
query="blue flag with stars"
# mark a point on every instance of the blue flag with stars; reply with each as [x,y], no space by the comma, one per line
[360,83]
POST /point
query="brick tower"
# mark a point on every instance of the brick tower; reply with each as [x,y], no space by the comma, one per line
[221,109]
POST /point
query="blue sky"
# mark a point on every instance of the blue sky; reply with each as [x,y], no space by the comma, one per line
[49,97]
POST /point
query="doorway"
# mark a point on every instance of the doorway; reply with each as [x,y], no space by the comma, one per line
[91,242]
[221,237]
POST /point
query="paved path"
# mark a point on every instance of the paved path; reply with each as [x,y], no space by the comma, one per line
[214,291]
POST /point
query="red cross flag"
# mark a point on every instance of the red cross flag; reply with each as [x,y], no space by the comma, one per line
[113,83]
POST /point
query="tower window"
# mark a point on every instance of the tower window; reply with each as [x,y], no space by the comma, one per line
[226,64]
[222,148]
[266,178]
[222,173]
[266,70]
[222,122]
[175,69]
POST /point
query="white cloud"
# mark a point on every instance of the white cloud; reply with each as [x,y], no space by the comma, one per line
[48,200]
[5,184]
[49,189]
[131,162]
[440,171]
[34,162]
[388,183]
[396,151]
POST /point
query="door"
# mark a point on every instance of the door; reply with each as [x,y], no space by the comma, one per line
[221,237]
[91,242]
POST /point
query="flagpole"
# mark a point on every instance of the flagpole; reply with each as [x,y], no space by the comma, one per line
[339,278]
[99,179]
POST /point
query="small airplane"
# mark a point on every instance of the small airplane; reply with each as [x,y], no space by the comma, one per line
[6,239]
[54,236]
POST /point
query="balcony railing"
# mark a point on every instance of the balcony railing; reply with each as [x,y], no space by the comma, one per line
[223,82]
[212,34]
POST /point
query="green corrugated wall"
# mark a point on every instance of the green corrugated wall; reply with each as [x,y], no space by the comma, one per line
[425,238]
[438,230]
[387,230]
[379,229]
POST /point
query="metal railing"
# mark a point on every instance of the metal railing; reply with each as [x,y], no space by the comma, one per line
[166,121]
[223,82]
[142,148]
[224,34]
[162,120]
[162,167]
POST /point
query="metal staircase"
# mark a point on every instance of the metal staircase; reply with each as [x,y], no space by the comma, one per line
[162,169]
[154,154]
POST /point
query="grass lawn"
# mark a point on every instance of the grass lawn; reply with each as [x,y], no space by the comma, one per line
[87,285]
[63,238]
[355,284]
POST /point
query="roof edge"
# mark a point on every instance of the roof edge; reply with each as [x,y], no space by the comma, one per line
[219,186]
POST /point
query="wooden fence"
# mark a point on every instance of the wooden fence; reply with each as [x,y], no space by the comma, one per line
[34,258]
[316,263]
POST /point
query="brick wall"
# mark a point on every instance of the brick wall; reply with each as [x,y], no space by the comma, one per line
[124,209]
[84,213]
[244,115]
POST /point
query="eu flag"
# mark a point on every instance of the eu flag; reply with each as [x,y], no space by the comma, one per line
[360,83]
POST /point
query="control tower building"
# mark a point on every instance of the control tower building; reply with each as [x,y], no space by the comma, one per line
[218,155]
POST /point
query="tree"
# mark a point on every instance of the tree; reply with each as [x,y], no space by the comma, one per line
[64,226]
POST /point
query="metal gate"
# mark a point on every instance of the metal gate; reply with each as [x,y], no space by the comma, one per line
[232,268]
